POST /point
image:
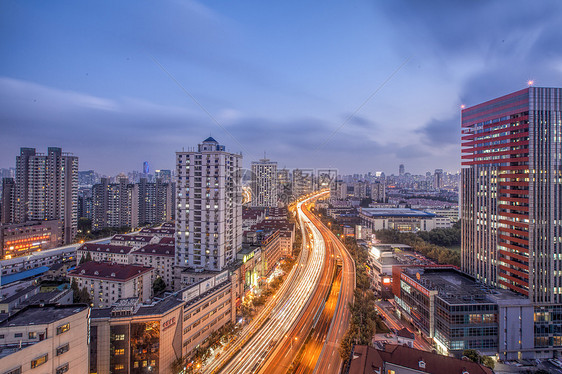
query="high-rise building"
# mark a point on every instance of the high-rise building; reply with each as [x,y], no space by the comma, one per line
[209,209]
[145,168]
[511,201]
[264,183]
[133,205]
[7,203]
[401,170]
[284,192]
[438,179]
[303,182]
[47,188]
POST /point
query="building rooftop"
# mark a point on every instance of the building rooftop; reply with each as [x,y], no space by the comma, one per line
[167,241]
[131,307]
[108,271]
[453,286]
[41,314]
[369,359]
[132,238]
[105,248]
[156,250]
[158,230]
[395,212]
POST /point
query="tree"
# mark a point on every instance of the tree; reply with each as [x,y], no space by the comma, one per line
[86,258]
[80,295]
[474,356]
[158,286]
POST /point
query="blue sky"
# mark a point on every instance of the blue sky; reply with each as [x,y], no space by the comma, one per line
[277,77]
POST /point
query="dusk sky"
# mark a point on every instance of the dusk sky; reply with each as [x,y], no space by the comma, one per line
[95,78]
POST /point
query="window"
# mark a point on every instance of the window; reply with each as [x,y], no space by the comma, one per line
[2,336]
[119,352]
[62,329]
[119,367]
[18,335]
[32,335]
[14,371]
[120,337]
[62,349]
[39,361]
[62,369]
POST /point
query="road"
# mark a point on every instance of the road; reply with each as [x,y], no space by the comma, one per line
[329,360]
[275,321]
[386,309]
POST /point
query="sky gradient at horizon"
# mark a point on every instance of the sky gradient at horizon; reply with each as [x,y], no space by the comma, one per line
[119,83]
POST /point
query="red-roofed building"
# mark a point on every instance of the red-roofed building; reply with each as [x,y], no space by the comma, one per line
[105,252]
[158,231]
[167,241]
[109,282]
[160,257]
[398,359]
[133,240]
[286,233]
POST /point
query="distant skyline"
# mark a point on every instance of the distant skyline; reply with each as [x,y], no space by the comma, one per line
[94,78]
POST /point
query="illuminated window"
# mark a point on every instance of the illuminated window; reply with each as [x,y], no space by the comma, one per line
[62,329]
[39,361]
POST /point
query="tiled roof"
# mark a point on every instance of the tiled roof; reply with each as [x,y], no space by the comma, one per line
[158,230]
[133,238]
[156,250]
[167,241]
[105,248]
[368,359]
[108,271]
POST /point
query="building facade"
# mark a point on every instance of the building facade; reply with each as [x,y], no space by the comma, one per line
[45,338]
[264,183]
[511,202]
[209,210]
[46,188]
[109,282]
[22,239]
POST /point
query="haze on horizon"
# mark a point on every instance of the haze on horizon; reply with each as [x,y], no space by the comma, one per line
[94,78]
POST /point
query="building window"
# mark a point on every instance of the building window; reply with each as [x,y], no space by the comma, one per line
[32,335]
[62,349]
[119,367]
[120,352]
[120,337]
[62,369]
[62,329]
[39,361]
[18,335]
[14,371]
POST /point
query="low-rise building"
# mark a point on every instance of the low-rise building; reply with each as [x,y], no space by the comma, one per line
[105,253]
[209,305]
[133,240]
[160,257]
[402,219]
[159,232]
[458,313]
[22,239]
[45,339]
[398,359]
[130,337]
[109,282]
[34,295]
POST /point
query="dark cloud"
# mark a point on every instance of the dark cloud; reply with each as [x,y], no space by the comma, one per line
[441,133]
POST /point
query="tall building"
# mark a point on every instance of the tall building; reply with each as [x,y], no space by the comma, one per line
[511,201]
[7,203]
[284,192]
[303,182]
[125,204]
[438,179]
[47,188]
[209,210]
[401,170]
[264,183]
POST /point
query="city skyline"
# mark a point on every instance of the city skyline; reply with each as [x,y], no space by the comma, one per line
[106,93]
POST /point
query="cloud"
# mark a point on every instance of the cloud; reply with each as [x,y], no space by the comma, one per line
[441,132]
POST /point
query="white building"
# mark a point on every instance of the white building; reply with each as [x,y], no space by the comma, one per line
[107,282]
[264,183]
[160,257]
[209,210]
[401,219]
[45,339]
[105,253]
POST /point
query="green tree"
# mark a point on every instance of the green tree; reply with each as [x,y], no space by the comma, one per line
[158,286]
[86,258]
